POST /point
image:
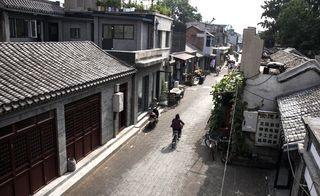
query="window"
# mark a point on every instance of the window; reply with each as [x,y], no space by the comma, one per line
[74,33]
[128,32]
[208,41]
[167,39]
[118,32]
[159,39]
[33,28]
[21,28]
[12,23]
[107,31]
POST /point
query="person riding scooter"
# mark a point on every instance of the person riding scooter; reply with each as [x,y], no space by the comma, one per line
[154,113]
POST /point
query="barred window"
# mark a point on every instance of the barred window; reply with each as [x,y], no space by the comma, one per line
[118,31]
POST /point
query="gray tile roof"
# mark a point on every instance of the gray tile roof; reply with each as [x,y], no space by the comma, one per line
[33,72]
[37,6]
[288,58]
[293,107]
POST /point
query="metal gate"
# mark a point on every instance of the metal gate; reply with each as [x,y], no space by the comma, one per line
[28,155]
[82,120]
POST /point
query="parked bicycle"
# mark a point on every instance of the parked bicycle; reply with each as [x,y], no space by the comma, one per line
[214,142]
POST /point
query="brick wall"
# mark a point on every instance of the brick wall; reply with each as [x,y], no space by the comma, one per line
[193,39]
[178,37]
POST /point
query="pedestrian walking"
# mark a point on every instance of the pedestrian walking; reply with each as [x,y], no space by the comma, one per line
[177,124]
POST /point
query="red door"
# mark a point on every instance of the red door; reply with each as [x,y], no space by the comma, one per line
[28,155]
[83,126]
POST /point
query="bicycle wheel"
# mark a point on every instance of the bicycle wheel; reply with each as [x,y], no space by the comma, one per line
[208,142]
[212,153]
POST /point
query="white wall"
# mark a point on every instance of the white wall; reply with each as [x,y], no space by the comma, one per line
[262,91]
[252,52]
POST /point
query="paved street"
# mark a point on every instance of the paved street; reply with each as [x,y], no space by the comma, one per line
[146,165]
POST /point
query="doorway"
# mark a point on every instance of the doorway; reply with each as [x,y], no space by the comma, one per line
[123,113]
[53,32]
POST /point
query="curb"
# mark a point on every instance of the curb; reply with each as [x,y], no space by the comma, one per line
[93,160]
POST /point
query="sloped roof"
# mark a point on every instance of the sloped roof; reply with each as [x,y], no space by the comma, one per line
[311,65]
[33,72]
[196,27]
[191,48]
[288,58]
[293,107]
[35,6]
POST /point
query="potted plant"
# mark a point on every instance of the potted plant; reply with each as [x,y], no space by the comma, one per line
[139,7]
[113,5]
[99,4]
[129,7]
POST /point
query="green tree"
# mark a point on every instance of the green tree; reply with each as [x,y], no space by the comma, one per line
[299,27]
[292,23]
[270,16]
[271,12]
[181,10]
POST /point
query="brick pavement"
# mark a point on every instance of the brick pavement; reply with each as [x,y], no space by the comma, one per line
[146,165]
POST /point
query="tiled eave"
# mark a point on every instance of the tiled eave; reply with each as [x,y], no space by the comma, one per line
[42,98]
[293,108]
[35,12]
[311,65]
[32,7]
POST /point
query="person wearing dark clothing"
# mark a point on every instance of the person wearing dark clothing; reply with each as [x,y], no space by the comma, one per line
[153,106]
[177,124]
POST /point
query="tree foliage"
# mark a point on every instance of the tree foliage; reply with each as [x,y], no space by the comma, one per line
[292,23]
[181,10]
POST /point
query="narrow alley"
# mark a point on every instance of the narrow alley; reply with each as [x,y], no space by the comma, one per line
[147,165]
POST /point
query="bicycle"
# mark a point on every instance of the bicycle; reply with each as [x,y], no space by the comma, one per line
[212,143]
[175,138]
[216,140]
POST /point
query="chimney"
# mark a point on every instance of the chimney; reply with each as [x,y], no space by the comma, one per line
[251,53]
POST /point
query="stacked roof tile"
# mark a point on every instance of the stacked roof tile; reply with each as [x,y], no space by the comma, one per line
[38,71]
[288,58]
[293,107]
[36,6]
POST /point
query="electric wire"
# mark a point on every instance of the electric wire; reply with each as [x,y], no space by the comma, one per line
[229,144]
[260,82]
[292,171]
[259,96]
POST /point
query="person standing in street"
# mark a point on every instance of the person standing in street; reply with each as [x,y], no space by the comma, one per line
[177,124]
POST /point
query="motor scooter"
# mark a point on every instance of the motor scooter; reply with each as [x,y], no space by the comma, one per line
[153,118]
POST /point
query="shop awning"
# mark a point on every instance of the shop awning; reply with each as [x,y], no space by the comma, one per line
[183,56]
[199,55]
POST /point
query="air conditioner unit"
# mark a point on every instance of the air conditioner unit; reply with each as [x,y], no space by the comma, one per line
[249,123]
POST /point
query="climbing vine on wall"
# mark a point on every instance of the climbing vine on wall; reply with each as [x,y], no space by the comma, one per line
[223,95]
[227,92]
